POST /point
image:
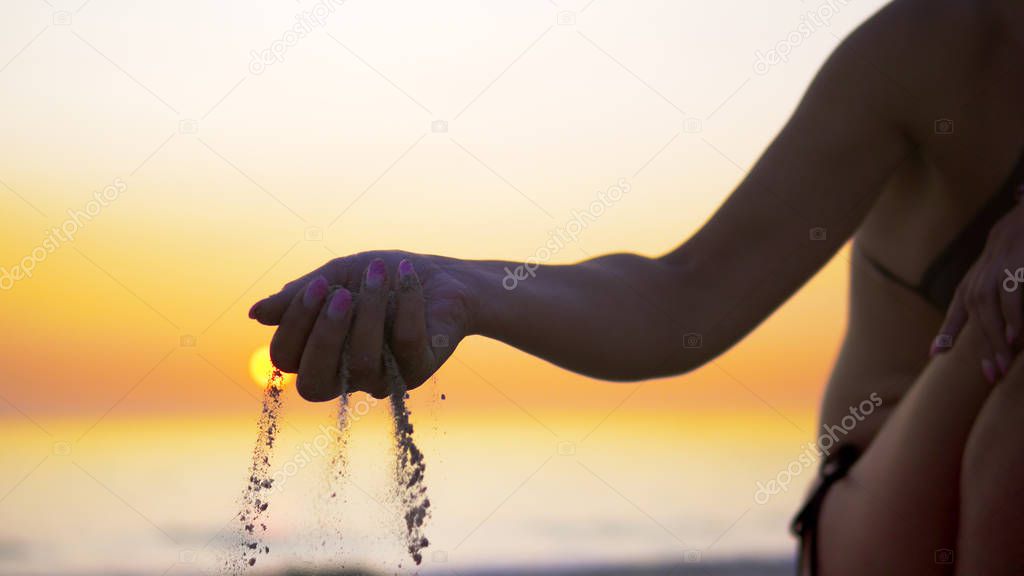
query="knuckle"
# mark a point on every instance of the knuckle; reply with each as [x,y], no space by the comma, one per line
[335,266]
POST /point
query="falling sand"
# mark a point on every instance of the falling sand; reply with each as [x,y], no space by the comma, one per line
[255,498]
[410,491]
[336,475]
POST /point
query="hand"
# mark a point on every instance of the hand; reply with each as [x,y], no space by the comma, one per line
[990,294]
[347,306]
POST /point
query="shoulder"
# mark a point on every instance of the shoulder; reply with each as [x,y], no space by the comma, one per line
[923,59]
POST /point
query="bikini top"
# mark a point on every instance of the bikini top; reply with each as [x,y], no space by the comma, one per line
[940,280]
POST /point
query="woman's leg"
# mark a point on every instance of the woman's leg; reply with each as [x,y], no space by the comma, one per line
[992,491]
[897,512]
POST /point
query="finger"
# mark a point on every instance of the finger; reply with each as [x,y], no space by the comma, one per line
[296,322]
[270,310]
[321,358]
[409,341]
[987,312]
[1011,305]
[956,318]
[367,339]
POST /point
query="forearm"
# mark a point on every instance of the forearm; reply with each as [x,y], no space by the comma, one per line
[617,317]
[627,317]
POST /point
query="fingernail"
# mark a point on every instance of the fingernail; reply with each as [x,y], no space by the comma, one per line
[407,279]
[1004,364]
[315,292]
[988,370]
[340,303]
[405,269]
[1011,334]
[375,274]
[255,310]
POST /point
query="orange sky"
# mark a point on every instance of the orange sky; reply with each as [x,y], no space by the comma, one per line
[236,182]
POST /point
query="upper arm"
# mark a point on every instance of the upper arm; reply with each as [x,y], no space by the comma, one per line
[809,191]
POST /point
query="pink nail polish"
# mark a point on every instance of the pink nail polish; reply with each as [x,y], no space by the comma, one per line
[255,310]
[340,303]
[988,370]
[1003,363]
[405,269]
[315,292]
[376,274]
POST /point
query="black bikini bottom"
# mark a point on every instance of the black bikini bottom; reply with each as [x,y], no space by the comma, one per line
[805,524]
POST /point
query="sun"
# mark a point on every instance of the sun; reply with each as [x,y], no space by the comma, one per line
[260,367]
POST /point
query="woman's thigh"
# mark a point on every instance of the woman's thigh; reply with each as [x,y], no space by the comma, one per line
[992,485]
[897,510]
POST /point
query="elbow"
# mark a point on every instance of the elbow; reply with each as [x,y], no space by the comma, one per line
[644,367]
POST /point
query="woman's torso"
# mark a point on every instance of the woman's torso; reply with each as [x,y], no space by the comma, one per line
[922,208]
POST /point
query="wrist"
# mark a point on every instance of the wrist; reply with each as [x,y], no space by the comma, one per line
[483,294]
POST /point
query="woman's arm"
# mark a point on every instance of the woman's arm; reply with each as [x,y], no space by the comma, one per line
[624,316]
[627,317]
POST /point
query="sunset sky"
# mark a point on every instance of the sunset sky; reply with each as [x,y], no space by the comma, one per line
[335,142]
[233,174]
